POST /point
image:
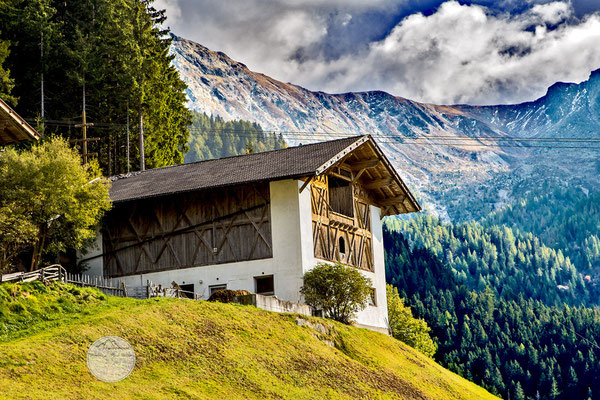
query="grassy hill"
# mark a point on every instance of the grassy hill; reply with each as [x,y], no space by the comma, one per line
[198,350]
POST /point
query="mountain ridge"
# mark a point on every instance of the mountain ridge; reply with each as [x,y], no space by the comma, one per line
[425,142]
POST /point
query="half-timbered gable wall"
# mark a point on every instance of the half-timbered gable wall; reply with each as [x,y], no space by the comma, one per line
[188,230]
[341,220]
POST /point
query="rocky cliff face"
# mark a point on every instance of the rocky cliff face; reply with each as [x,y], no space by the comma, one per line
[424,141]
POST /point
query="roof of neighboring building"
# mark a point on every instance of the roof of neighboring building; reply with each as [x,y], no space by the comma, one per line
[13,128]
[289,163]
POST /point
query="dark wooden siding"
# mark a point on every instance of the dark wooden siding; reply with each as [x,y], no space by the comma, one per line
[188,230]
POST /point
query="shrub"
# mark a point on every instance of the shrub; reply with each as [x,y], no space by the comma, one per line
[338,290]
[404,327]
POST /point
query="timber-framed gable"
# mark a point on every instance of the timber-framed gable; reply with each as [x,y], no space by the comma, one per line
[339,235]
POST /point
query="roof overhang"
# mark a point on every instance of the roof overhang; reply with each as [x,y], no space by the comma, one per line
[382,185]
[372,169]
[13,128]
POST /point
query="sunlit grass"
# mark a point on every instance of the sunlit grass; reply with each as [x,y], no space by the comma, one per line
[198,350]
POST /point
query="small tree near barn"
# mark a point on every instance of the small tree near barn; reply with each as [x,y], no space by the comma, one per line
[338,290]
[404,327]
[51,197]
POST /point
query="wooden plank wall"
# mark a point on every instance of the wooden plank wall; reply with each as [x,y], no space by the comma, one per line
[329,226]
[229,225]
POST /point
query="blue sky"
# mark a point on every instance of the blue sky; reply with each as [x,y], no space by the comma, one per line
[477,52]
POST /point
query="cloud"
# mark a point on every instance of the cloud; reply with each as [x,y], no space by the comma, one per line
[270,35]
[453,54]
[172,7]
[463,54]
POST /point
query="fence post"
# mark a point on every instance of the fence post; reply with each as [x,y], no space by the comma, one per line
[124,289]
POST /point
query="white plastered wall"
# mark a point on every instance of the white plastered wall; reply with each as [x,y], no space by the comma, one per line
[94,265]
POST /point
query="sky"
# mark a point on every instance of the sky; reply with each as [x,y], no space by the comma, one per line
[443,52]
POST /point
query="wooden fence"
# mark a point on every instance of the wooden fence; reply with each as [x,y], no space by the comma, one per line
[107,286]
[51,273]
[58,273]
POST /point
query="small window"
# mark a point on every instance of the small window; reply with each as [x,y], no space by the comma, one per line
[341,198]
[342,245]
[373,298]
[265,285]
[214,288]
[187,290]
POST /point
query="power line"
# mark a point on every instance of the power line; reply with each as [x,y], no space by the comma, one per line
[454,141]
[349,134]
[451,141]
[381,135]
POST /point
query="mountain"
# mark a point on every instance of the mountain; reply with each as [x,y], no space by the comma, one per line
[421,139]
[188,349]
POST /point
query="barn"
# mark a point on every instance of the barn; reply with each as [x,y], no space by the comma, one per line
[256,222]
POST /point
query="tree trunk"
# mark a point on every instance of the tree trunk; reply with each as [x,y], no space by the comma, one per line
[38,247]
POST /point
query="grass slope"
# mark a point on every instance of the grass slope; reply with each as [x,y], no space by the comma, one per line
[198,350]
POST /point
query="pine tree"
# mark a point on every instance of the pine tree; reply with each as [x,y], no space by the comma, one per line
[518,392]
[119,50]
[6,82]
[554,391]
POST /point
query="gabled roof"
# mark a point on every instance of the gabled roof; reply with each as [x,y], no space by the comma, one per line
[291,163]
[13,128]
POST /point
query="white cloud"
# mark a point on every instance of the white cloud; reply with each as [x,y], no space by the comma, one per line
[458,54]
[172,7]
[463,54]
[295,29]
[552,13]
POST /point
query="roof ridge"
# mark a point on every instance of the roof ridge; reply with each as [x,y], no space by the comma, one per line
[134,173]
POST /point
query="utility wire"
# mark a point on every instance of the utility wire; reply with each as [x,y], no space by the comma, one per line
[453,141]
[342,134]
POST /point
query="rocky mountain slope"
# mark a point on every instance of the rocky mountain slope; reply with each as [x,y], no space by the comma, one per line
[424,141]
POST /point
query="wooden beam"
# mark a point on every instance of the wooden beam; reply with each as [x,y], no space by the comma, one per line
[339,176]
[342,154]
[358,174]
[391,201]
[24,131]
[371,163]
[378,183]
[306,183]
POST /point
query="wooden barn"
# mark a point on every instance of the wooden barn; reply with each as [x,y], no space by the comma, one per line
[13,128]
[256,222]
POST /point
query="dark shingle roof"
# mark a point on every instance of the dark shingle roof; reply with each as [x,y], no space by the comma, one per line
[293,162]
